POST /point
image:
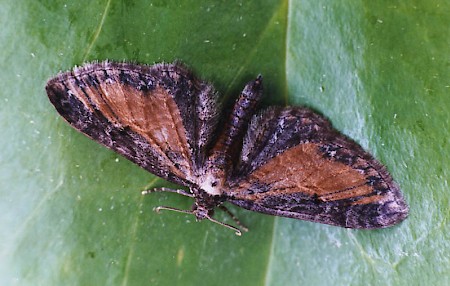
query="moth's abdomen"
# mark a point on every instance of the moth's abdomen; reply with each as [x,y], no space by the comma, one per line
[230,139]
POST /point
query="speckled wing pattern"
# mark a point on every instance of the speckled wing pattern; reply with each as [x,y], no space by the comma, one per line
[160,117]
[287,162]
[294,164]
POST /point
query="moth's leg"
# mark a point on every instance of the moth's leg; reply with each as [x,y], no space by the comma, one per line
[236,230]
[233,217]
[178,191]
[158,209]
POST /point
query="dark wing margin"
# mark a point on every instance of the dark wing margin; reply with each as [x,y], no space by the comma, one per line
[294,164]
[160,117]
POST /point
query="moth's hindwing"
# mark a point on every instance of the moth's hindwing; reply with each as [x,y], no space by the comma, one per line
[294,164]
[160,117]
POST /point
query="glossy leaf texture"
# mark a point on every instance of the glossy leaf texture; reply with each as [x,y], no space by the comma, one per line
[72,212]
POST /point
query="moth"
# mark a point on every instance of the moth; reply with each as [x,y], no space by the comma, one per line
[282,161]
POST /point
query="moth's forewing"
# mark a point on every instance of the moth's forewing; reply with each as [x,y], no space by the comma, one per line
[294,164]
[159,117]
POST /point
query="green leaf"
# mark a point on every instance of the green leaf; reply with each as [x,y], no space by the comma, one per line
[72,212]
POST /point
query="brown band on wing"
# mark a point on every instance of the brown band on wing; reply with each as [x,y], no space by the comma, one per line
[369,200]
[303,169]
[153,114]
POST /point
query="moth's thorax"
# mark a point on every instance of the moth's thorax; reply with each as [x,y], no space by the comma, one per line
[212,182]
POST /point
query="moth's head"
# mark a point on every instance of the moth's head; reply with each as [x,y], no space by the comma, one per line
[201,212]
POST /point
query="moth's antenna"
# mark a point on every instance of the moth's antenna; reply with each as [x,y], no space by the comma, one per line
[177,191]
[236,230]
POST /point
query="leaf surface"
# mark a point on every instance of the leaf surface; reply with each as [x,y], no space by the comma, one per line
[72,212]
